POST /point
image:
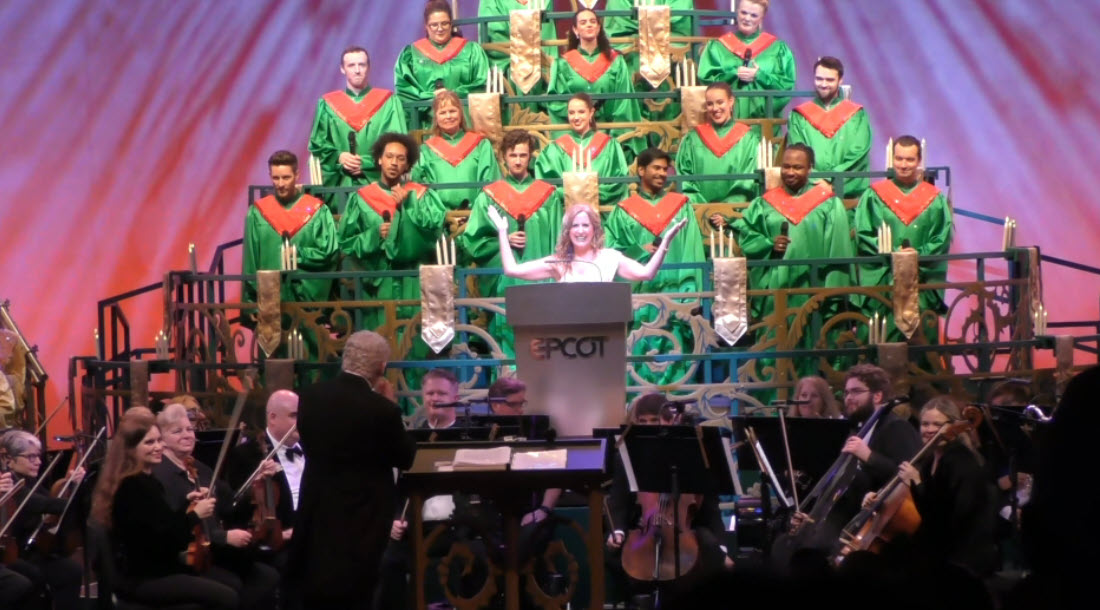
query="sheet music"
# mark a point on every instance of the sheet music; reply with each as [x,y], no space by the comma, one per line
[540,460]
[497,457]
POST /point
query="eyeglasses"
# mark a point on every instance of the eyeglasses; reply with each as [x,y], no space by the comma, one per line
[856,392]
[31,457]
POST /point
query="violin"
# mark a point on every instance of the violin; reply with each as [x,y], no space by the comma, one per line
[45,535]
[648,550]
[893,513]
[198,554]
[267,530]
[9,549]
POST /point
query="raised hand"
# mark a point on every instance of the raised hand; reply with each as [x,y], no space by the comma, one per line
[499,221]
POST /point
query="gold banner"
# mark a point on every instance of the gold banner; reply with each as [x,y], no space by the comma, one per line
[693,104]
[437,305]
[906,267]
[269,326]
[581,187]
[731,304]
[653,49]
[1034,279]
[139,383]
[525,48]
[485,115]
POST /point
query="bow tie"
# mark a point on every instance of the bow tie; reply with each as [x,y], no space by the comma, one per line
[291,452]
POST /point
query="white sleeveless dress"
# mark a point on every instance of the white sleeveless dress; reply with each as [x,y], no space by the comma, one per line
[603,269]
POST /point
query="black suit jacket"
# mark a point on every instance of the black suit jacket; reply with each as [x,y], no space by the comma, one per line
[243,461]
[354,438]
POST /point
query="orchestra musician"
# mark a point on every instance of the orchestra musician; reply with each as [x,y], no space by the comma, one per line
[354,437]
[23,455]
[148,535]
[180,474]
[625,512]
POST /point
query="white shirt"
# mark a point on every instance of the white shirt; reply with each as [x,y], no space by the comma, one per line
[603,269]
[292,467]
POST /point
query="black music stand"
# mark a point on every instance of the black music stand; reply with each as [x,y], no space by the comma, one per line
[453,434]
[815,442]
[208,443]
[676,460]
[530,427]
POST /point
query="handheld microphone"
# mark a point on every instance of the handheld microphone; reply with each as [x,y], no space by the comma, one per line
[353,143]
[521,222]
[439,83]
[657,241]
[464,205]
[784,228]
[905,243]
[748,58]
[895,401]
[678,405]
[386,216]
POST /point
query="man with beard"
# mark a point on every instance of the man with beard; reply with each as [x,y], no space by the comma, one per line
[289,215]
[892,441]
[359,112]
[633,228]
[836,128]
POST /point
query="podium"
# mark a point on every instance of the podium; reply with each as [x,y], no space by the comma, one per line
[571,351]
[508,489]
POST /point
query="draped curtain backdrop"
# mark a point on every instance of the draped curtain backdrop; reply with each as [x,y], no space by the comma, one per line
[133,127]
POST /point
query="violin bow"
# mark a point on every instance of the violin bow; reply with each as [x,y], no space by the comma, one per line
[41,477]
[787,449]
[46,421]
[271,454]
[242,397]
[65,487]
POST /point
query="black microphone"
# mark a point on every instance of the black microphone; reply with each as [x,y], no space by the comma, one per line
[438,84]
[464,205]
[895,401]
[905,244]
[784,228]
[386,216]
[353,143]
[748,58]
[678,405]
[520,223]
[657,241]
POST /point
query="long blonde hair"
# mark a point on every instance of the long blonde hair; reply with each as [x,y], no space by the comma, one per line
[564,249]
[950,407]
[120,461]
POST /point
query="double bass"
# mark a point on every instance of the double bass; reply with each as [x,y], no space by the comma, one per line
[893,513]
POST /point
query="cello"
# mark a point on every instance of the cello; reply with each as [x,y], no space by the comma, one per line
[812,530]
[666,525]
[892,512]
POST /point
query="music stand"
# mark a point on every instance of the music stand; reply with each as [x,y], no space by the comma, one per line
[815,442]
[530,427]
[454,433]
[677,460]
[208,443]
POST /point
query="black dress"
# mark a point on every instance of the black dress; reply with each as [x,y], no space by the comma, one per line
[957,511]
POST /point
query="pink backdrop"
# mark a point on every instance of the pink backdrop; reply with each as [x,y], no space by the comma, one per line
[132,127]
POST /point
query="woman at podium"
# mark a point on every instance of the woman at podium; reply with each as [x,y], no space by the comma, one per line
[580,255]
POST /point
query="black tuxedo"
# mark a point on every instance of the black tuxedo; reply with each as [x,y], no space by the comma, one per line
[244,459]
[354,438]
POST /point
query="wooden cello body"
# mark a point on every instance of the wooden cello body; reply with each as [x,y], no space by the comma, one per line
[650,552]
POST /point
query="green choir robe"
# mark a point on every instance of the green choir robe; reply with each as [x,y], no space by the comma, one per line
[500,31]
[540,205]
[818,228]
[311,229]
[579,71]
[634,223]
[608,161]
[722,57]
[467,156]
[732,148]
[840,136]
[339,113]
[416,225]
[919,213]
[461,66]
